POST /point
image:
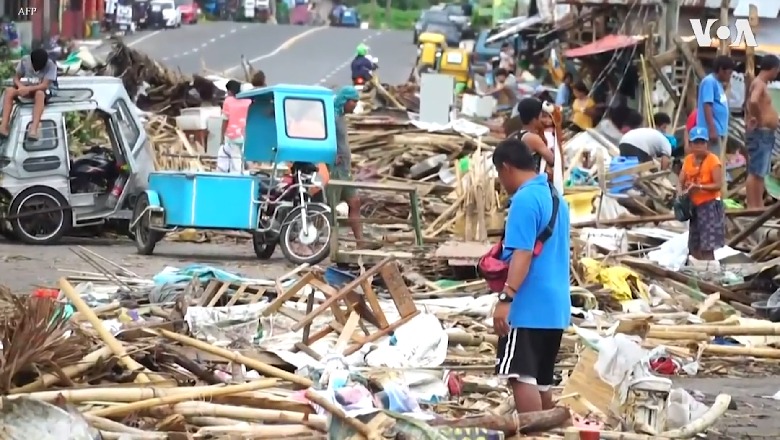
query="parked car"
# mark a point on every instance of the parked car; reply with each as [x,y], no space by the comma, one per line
[450,30]
[189,11]
[163,13]
[457,14]
[427,16]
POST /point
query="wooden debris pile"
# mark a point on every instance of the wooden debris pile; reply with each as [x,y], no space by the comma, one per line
[158,89]
[137,369]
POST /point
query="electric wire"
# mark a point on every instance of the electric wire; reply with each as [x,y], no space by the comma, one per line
[617,53]
[628,63]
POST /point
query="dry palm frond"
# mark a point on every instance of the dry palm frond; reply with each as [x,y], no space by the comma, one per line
[35,340]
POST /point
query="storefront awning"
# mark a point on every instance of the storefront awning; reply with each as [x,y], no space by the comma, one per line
[605,44]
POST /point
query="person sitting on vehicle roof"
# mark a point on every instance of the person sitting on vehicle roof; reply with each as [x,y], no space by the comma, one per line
[361,65]
[36,79]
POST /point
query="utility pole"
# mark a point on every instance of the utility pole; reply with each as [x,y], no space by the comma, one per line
[388,12]
[672,21]
[724,49]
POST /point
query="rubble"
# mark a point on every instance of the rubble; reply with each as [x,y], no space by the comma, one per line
[328,351]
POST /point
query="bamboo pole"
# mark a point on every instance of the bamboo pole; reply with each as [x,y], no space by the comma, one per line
[70,371]
[124,394]
[255,415]
[106,336]
[719,330]
[337,412]
[261,367]
[212,391]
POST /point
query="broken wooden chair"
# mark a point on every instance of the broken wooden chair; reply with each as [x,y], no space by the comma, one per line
[350,307]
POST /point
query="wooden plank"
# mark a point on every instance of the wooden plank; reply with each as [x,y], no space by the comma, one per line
[290,313]
[208,292]
[400,293]
[300,346]
[347,332]
[374,336]
[256,297]
[285,296]
[239,293]
[218,296]
[373,186]
[341,294]
[373,302]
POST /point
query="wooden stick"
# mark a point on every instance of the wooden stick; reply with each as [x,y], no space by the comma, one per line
[690,430]
[261,367]
[213,391]
[353,423]
[70,371]
[115,346]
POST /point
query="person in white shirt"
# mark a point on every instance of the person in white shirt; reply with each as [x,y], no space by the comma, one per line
[645,143]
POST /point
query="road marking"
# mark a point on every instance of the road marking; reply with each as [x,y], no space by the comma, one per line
[284,46]
[144,38]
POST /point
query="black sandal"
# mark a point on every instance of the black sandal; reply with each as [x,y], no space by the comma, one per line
[32,138]
[3,136]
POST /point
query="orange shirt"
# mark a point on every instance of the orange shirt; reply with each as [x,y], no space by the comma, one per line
[701,174]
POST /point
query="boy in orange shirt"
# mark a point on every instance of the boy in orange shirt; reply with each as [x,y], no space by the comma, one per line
[700,178]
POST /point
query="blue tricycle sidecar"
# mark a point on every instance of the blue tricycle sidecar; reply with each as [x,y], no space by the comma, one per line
[285,123]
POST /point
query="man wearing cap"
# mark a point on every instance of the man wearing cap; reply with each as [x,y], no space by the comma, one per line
[345,103]
[701,178]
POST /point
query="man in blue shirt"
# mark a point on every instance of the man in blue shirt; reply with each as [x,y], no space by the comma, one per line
[713,104]
[534,307]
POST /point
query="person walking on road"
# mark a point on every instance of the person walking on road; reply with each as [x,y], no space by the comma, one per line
[762,122]
[713,104]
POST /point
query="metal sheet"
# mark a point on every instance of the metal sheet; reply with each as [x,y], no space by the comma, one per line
[512,30]
[605,44]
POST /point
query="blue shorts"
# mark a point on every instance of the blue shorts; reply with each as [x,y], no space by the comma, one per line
[760,143]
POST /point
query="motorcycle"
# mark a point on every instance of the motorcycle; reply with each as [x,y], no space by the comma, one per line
[360,83]
[94,172]
[289,196]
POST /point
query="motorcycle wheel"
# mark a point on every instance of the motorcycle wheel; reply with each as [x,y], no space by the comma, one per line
[145,238]
[318,225]
[263,249]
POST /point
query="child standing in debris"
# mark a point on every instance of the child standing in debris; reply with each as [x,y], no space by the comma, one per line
[234,111]
[700,179]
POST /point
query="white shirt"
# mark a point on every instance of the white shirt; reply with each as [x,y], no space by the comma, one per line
[229,158]
[649,140]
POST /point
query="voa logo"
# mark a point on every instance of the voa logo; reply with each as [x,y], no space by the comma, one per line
[741,32]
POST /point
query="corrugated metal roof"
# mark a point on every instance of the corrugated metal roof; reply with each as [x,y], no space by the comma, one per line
[709,4]
[605,44]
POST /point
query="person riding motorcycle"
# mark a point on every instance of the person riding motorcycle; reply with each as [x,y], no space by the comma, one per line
[362,66]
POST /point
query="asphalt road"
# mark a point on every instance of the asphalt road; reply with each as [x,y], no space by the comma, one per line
[287,54]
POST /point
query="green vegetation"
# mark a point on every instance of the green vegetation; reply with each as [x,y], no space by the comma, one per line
[399,18]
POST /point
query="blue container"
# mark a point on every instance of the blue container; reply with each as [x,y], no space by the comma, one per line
[623,183]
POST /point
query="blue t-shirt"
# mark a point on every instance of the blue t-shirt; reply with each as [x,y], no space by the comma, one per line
[543,300]
[711,92]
